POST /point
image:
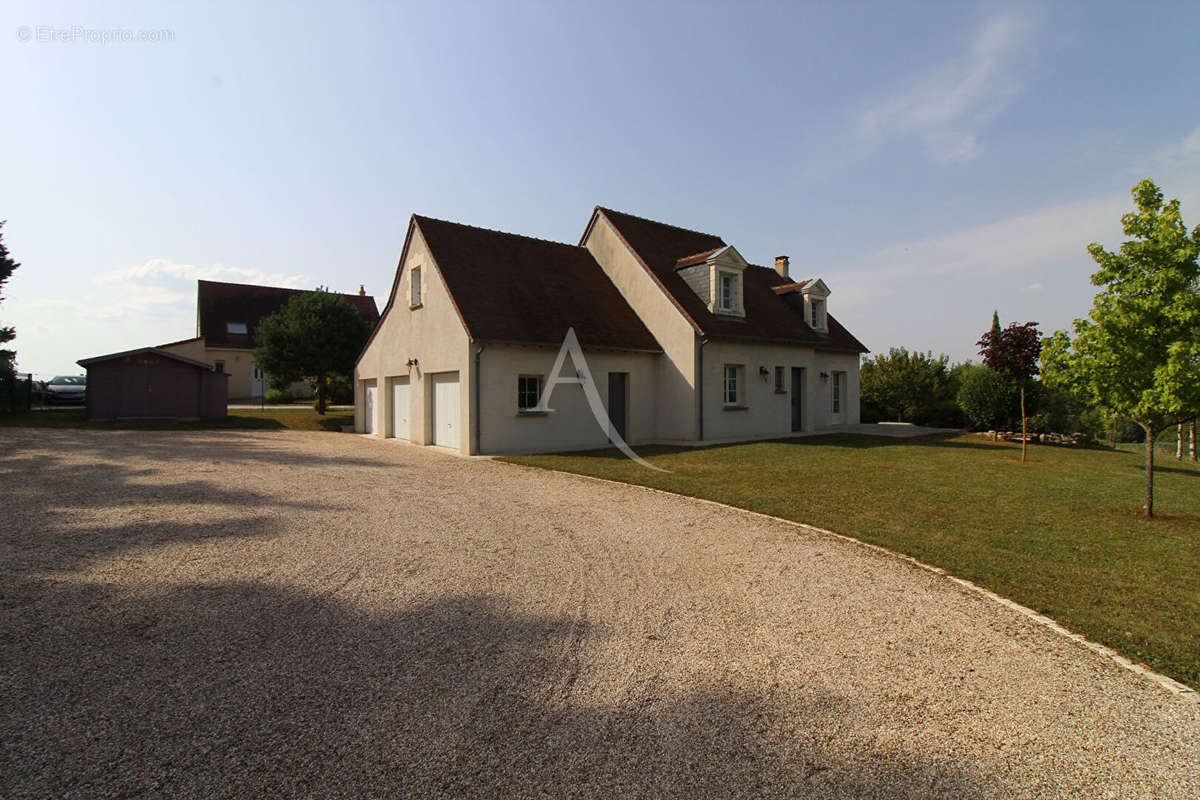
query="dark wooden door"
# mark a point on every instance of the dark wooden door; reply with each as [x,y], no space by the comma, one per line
[797,399]
[618,411]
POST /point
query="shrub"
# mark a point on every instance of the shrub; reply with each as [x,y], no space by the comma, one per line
[985,397]
[278,396]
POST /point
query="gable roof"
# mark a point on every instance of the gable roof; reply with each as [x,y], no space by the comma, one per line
[521,290]
[770,316]
[87,362]
[218,304]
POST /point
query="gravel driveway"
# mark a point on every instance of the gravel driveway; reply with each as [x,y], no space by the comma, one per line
[238,614]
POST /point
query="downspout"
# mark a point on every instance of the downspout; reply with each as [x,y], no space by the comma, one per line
[478,381]
[700,384]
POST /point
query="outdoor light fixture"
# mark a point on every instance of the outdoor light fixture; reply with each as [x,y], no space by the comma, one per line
[764,372]
[412,362]
[824,376]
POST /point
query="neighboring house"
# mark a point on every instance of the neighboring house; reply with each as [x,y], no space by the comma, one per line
[153,383]
[685,340]
[227,315]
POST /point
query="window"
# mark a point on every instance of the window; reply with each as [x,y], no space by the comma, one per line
[235,327]
[415,299]
[529,392]
[779,379]
[220,365]
[818,314]
[732,384]
[837,392]
[728,300]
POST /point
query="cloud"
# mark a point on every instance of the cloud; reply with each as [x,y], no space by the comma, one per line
[946,107]
[158,268]
[1033,287]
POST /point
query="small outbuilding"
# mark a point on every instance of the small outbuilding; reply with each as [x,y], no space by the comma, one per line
[154,384]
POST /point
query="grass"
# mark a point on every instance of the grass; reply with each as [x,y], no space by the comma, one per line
[1060,534]
[301,418]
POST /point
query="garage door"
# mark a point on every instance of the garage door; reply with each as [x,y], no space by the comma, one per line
[369,407]
[400,408]
[445,410]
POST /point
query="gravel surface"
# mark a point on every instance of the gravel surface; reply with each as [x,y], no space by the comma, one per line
[251,614]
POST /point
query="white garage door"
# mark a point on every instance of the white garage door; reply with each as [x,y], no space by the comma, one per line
[369,408]
[445,410]
[400,408]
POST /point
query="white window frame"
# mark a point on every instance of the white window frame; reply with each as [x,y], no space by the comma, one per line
[780,380]
[414,288]
[537,396]
[731,306]
[835,403]
[818,313]
[731,385]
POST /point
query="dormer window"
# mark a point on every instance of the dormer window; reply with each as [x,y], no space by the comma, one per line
[818,314]
[727,301]
[235,327]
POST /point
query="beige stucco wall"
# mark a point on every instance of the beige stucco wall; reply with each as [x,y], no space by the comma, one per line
[238,365]
[572,425]
[433,334]
[767,412]
[676,415]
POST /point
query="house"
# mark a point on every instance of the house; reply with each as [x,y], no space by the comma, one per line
[153,383]
[683,338]
[227,314]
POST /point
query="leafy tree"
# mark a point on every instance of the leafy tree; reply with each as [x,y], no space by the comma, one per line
[315,337]
[7,334]
[1014,354]
[1138,354]
[985,396]
[903,381]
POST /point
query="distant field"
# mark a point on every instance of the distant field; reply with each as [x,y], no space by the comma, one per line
[1060,534]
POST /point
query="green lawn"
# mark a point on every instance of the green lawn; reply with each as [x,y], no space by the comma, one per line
[300,418]
[1060,534]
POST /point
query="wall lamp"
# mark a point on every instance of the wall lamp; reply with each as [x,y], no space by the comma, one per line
[412,362]
[764,372]
[824,376]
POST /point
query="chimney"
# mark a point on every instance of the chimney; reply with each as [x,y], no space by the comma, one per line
[781,265]
[362,290]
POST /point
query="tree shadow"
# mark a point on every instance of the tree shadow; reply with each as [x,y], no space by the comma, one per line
[243,689]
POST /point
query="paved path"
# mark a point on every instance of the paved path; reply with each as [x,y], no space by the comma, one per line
[250,614]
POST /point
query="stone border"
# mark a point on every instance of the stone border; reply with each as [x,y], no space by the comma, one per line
[1170,684]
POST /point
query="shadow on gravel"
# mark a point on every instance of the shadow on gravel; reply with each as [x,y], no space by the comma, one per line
[247,690]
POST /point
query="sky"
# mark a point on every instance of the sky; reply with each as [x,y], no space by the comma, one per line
[931,162]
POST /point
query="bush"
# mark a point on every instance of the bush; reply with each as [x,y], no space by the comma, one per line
[985,397]
[278,396]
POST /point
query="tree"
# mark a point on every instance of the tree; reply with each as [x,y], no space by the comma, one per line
[1138,354]
[315,337]
[903,381]
[7,334]
[985,396]
[1014,354]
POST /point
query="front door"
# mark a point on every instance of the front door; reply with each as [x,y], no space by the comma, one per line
[618,411]
[838,399]
[797,399]
[258,381]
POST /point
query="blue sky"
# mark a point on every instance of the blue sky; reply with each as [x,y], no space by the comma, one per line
[930,161]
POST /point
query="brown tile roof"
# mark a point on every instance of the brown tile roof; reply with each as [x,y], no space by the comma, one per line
[220,303]
[518,289]
[769,316]
[788,288]
[688,261]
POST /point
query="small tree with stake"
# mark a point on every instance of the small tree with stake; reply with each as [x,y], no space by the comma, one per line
[1014,354]
[1138,356]
[315,337]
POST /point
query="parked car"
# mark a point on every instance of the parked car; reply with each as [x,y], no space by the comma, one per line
[67,389]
